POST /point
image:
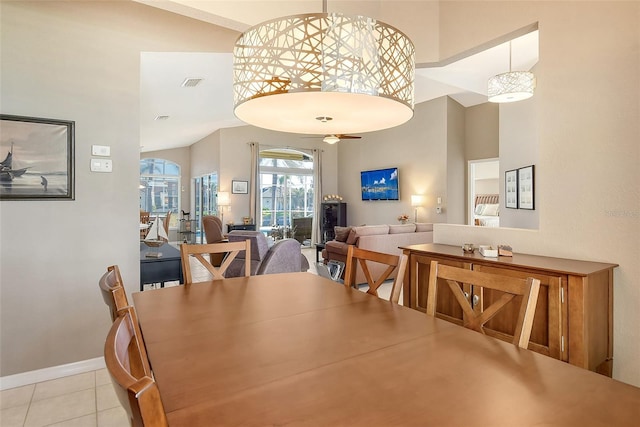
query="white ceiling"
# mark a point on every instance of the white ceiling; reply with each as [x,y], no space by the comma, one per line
[195,112]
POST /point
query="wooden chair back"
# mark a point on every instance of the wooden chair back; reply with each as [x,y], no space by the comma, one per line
[113,292]
[128,366]
[145,217]
[357,256]
[197,251]
[510,286]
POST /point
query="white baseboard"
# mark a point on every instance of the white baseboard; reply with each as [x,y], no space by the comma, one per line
[52,373]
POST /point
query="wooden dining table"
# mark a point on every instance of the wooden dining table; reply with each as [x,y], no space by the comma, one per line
[297,349]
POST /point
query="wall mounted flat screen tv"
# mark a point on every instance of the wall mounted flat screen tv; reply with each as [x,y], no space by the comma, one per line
[380,184]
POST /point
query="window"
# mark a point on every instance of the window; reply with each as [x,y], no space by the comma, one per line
[286,185]
[160,188]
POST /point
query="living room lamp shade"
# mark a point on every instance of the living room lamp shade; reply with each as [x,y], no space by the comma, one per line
[512,86]
[223,200]
[416,202]
[323,73]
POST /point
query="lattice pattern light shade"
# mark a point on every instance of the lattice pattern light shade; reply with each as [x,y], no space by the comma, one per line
[324,74]
[512,86]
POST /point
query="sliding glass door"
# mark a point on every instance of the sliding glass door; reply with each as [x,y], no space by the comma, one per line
[205,189]
[286,188]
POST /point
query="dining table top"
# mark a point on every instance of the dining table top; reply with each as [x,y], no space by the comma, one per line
[298,349]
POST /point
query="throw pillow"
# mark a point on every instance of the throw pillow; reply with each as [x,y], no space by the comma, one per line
[403,228]
[341,233]
[353,237]
[491,210]
[424,226]
[370,230]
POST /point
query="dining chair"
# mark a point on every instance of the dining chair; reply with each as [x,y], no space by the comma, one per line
[511,287]
[145,217]
[113,292]
[357,256]
[198,250]
[128,365]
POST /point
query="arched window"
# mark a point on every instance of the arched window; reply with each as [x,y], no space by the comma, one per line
[160,188]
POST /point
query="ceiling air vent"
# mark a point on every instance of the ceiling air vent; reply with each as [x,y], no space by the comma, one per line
[161,118]
[191,82]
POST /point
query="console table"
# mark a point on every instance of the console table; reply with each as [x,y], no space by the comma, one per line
[166,268]
[574,315]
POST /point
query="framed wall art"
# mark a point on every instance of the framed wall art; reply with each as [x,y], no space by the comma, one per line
[38,158]
[511,189]
[240,187]
[526,188]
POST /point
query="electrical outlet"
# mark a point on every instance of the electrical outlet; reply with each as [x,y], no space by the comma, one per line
[101,165]
[438,210]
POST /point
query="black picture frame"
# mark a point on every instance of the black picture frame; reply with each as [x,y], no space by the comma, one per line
[511,189]
[526,188]
[239,187]
[40,159]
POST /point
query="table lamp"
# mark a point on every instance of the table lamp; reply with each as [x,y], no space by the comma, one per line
[416,202]
[223,200]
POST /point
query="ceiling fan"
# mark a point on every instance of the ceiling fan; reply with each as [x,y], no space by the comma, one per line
[334,137]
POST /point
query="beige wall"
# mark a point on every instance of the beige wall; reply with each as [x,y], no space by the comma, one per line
[519,146]
[418,149]
[481,130]
[77,61]
[588,130]
[454,203]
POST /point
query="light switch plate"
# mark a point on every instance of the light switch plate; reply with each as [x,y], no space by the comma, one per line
[100,150]
[101,165]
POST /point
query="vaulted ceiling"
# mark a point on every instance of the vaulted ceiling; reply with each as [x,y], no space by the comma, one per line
[173,115]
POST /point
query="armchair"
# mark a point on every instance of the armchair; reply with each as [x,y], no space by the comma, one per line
[259,248]
[284,256]
[212,226]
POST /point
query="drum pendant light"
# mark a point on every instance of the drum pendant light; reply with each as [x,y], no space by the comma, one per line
[323,73]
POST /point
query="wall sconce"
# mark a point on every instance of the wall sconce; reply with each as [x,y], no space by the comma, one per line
[223,200]
[416,202]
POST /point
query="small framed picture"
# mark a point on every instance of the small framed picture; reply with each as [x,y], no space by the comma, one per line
[240,187]
[526,188]
[511,189]
[38,158]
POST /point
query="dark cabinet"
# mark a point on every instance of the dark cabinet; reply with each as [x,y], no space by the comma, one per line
[333,214]
[249,227]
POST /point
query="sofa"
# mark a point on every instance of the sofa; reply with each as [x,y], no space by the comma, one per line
[378,238]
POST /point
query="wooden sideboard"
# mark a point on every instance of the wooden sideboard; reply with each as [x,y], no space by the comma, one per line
[574,315]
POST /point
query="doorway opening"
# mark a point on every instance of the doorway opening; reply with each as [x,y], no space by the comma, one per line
[484,178]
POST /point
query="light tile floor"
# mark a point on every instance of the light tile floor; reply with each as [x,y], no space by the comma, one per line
[83,400]
[87,400]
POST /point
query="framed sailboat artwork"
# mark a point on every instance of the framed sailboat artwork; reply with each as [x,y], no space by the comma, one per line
[37,158]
